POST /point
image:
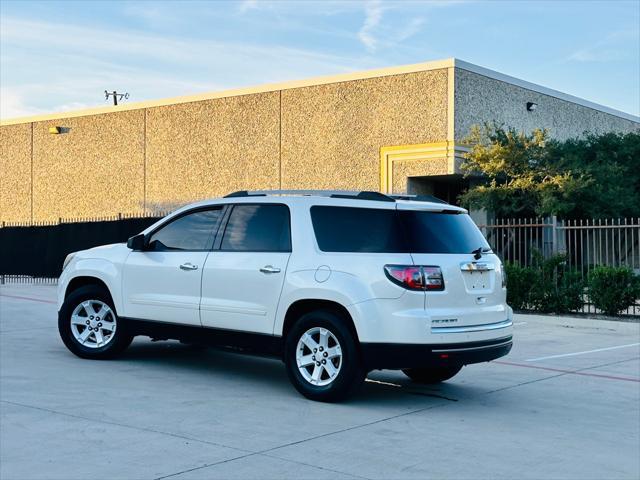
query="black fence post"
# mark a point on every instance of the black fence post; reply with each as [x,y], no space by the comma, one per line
[2,275]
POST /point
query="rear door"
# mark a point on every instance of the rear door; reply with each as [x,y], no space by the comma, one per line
[473,293]
[242,278]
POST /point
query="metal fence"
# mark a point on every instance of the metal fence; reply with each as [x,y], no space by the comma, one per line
[106,218]
[587,243]
[34,252]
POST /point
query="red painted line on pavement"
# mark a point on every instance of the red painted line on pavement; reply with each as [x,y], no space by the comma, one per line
[28,298]
[573,372]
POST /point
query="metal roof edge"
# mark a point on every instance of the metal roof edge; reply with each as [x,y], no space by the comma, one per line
[461,64]
[324,80]
[266,88]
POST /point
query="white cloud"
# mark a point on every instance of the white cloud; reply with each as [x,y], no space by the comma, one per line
[148,13]
[373,17]
[80,62]
[413,27]
[402,20]
[610,48]
[247,5]
[12,104]
[595,55]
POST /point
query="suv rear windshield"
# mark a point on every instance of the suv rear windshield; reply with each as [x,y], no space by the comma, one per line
[373,230]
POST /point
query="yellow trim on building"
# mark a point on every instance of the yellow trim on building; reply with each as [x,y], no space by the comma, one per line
[451,100]
[388,155]
[273,87]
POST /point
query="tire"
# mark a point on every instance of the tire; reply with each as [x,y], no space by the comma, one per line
[326,330]
[432,375]
[73,318]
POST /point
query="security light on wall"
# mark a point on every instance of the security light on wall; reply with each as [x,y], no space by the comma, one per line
[55,130]
[531,106]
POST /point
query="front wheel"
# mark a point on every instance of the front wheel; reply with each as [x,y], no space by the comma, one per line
[432,375]
[89,326]
[322,357]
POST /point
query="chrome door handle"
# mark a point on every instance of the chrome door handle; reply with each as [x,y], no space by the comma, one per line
[188,266]
[270,269]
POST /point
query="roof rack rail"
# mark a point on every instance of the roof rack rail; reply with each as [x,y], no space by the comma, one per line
[419,198]
[366,195]
[350,194]
[244,193]
[359,195]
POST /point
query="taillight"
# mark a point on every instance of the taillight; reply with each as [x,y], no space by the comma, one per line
[433,278]
[414,277]
[409,277]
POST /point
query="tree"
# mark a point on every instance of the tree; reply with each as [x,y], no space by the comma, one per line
[529,174]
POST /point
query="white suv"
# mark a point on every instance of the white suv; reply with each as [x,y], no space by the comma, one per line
[336,284]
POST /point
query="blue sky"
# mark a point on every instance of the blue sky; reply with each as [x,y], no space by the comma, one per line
[58,56]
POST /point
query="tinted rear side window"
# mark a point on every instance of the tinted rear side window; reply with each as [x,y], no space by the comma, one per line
[258,228]
[347,229]
[435,232]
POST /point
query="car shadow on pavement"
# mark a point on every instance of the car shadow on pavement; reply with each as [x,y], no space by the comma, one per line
[270,373]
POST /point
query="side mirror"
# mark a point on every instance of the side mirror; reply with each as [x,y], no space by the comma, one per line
[137,242]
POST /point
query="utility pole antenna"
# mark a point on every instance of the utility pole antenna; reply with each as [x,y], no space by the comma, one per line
[116,96]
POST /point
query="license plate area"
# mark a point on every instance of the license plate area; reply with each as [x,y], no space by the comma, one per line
[477,281]
[478,276]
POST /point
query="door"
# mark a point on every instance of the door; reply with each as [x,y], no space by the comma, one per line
[242,279]
[163,282]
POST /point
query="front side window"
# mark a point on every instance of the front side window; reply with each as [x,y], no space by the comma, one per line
[258,228]
[193,231]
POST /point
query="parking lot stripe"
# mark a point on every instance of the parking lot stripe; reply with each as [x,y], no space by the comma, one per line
[572,372]
[28,298]
[583,353]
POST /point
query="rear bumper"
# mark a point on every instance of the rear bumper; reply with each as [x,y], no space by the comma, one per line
[397,356]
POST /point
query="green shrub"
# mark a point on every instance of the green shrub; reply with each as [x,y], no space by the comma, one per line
[613,289]
[547,286]
[557,288]
[519,281]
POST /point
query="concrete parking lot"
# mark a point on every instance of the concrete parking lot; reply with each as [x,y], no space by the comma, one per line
[564,404]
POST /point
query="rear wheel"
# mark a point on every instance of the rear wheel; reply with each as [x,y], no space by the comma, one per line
[322,357]
[432,375]
[89,326]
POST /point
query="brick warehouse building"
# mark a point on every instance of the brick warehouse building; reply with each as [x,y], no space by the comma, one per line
[394,130]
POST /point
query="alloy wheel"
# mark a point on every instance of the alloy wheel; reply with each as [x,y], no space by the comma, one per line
[319,356]
[93,324]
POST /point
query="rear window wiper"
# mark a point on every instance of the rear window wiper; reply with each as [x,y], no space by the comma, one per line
[477,253]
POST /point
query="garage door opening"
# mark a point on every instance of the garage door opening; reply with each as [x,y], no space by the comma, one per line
[445,187]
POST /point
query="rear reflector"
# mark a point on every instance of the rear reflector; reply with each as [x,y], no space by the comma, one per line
[415,277]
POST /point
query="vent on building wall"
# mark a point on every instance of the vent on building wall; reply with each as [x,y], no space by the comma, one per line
[531,106]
